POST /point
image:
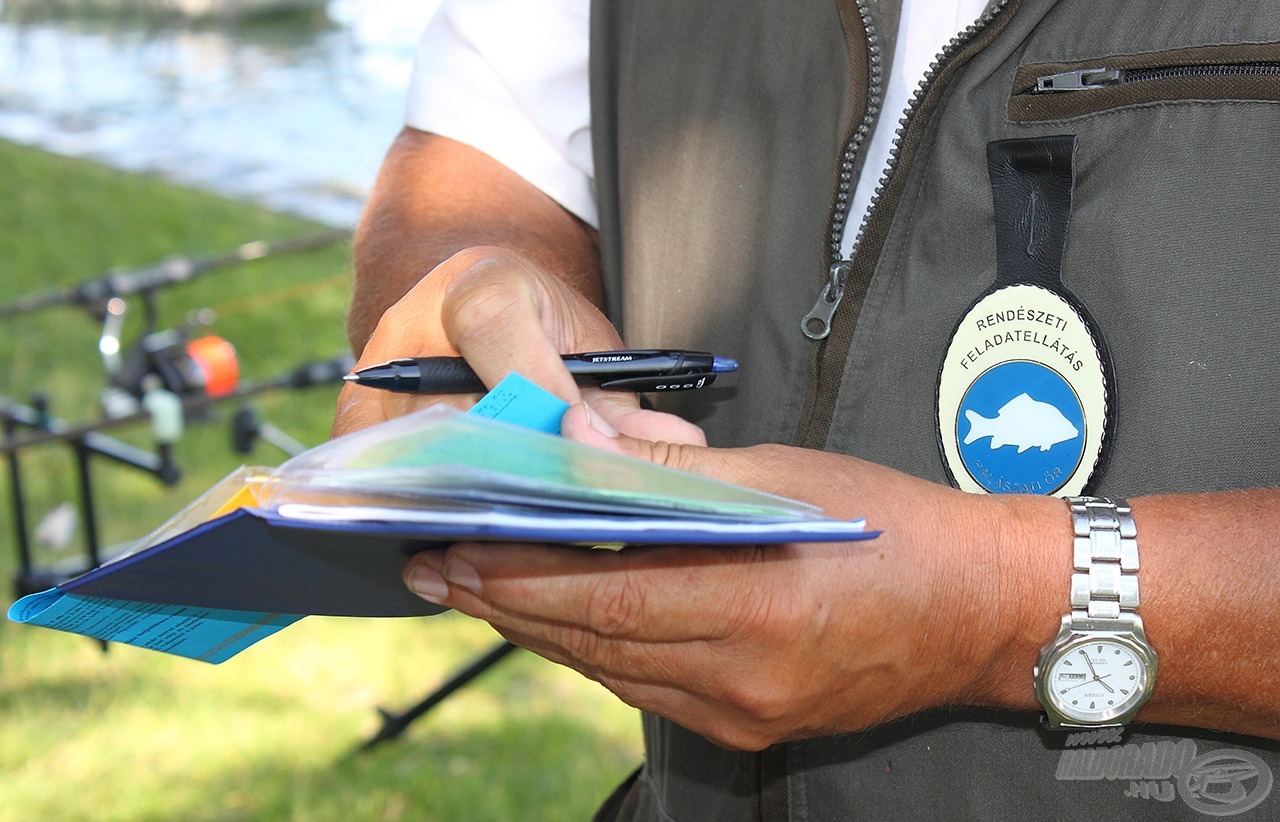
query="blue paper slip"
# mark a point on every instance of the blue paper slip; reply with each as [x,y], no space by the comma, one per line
[517,401]
[205,634]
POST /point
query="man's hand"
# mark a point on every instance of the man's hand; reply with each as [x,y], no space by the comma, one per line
[752,645]
[949,606]
[503,313]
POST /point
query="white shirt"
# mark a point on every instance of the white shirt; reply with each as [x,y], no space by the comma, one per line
[509,77]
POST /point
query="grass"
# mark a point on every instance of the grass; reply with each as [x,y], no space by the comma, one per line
[134,735]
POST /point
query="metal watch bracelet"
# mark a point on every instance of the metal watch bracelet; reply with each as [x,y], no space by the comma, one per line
[1104,587]
[1102,629]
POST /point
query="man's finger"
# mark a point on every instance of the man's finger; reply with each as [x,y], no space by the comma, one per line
[627,666]
[623,428]
[493,301]
[705,701]
[663,594]
[360,406]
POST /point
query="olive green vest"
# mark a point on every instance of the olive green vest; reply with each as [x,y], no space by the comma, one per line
[719,131]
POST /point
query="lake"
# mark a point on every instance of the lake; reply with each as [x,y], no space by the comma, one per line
[293,112]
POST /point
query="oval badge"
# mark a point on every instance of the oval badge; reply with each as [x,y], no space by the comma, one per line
[1022,399]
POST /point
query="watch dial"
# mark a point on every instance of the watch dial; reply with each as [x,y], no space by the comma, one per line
[1097,681]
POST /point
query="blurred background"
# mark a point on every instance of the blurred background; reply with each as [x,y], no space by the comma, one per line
[291,110]
[142,141]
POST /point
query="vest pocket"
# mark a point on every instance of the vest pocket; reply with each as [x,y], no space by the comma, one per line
[1061,91]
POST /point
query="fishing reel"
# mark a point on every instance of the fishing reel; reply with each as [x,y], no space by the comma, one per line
[182,361]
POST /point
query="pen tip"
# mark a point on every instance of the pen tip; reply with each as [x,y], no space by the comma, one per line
[723,365]
[351,377]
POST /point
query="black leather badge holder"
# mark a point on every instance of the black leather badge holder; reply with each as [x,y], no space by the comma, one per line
[1025,394]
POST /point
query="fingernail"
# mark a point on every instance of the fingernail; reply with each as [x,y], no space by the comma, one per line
[463,574]
[599,423]
[427,583]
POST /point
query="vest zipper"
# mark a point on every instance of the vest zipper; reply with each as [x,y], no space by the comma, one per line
[816,325]
[1236,72]
[1102,77]
[856,269]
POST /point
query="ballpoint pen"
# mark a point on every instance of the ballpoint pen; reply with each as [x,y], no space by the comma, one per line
[642,370]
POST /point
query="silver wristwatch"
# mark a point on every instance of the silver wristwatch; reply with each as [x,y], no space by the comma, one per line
[1100,669]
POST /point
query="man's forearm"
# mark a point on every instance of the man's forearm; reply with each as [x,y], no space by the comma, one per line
[1209,582]
[435,197]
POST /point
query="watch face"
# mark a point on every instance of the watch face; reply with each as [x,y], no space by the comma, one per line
[1096,680]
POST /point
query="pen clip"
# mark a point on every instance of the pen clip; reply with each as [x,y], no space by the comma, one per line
[671,382]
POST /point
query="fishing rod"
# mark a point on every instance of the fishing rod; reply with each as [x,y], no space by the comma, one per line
[45,429]
[171,270]
[164,378]
[23,426]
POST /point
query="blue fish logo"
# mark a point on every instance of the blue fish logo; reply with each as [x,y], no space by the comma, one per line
[1022,422]
[1020,428]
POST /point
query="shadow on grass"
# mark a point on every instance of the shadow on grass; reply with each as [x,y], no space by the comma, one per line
[515,768]
[51,693]
[63,692]
[144,738]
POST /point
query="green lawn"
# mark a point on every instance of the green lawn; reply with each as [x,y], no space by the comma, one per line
[135,735]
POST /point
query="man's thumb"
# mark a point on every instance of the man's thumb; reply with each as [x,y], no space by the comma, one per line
[584,424]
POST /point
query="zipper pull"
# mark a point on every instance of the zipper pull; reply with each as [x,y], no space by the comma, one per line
[816,325]
[1080,79]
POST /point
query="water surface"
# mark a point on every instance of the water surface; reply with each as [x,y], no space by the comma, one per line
[291,112]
